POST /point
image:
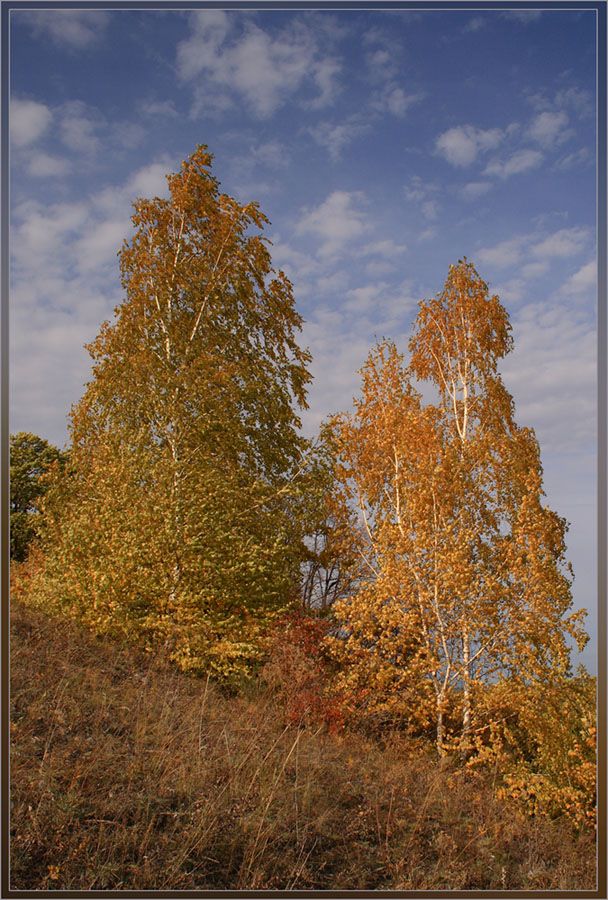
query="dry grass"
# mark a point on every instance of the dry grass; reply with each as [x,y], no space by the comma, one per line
[127,775]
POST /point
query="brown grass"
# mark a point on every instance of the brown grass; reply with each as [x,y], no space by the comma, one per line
[127,775]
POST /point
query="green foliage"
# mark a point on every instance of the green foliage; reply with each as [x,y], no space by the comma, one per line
[31,459]
[182,519]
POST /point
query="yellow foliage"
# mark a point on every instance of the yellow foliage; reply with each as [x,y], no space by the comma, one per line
[545,747]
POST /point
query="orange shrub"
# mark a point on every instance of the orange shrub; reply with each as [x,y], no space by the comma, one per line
[298,670]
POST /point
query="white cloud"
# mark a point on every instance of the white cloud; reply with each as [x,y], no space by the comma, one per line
[424,193]
[271,153]
[393,99]
[209,29]
[549,128]
[510,292]
[336,137]
[263,70]
[420,190]
[42,165]
[381,63]
[149,181]
[67,238]
[577,100]
[383,60]
[535,269]
[74,28]
[335,367]
[378,267]
[298,265]
[243,191]
[335,223]
[583,281]
[340,338]
[520,161]
[574,159]
[64,283]
[507,253]
[462,144]
[335,283]
[252,161]
[163,108]
[475,24]
[100,244]
[532,255]
[86,132]
[39,233]
[387,248]
[366,298]
[525,16]
[51,321]
[127,135]
[325,78]
[78,126]
[115,201]
[430,210]
[475,189]
[82,129]
[552,374]
[28,121]
[566,242]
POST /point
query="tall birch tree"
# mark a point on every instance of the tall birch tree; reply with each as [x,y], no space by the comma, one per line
[180,519]
[466,565]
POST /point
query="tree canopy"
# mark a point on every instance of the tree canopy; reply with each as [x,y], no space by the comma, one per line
[180,516]
[190,513]
[463,574]
[194,513]
[31,458]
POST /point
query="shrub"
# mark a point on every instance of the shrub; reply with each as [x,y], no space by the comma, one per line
[298,671]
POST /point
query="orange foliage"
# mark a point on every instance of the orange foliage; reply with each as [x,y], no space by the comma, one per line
[298,670]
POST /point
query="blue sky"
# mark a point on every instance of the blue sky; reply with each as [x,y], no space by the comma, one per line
[382,145]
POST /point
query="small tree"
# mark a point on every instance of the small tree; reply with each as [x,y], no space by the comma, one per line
[31,458]
[466,579]
[182,518]
[325,572]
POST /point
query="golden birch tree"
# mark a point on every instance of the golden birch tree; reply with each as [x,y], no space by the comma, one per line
[454,532]
[180,519]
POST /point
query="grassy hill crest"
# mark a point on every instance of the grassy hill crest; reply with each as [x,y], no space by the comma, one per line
[130,775]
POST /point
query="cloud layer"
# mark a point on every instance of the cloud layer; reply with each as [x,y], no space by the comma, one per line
[263,70]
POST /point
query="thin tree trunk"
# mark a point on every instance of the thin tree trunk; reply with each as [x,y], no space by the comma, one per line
[440,725]
[466,698]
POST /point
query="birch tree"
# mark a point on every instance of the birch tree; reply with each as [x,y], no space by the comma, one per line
[180,521]
[465,565]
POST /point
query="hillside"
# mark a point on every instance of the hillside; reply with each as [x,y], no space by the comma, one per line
[129,775]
